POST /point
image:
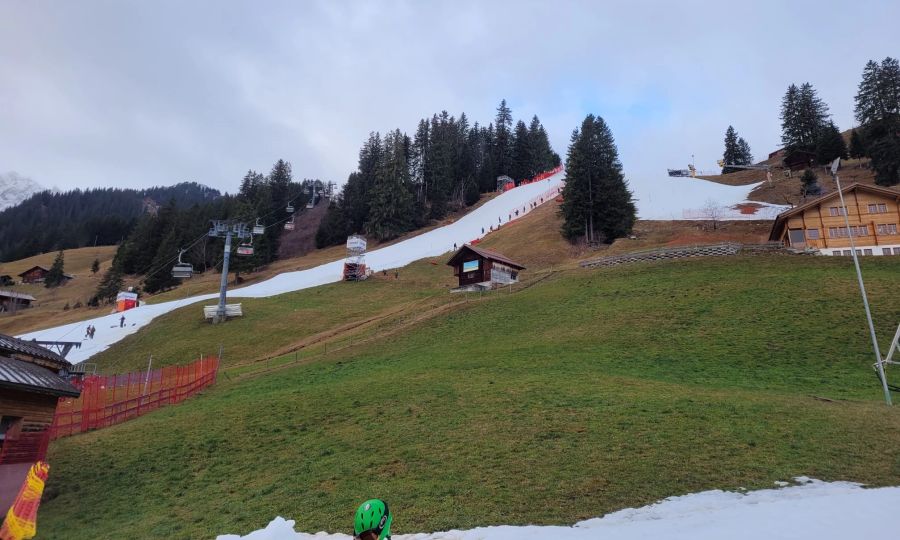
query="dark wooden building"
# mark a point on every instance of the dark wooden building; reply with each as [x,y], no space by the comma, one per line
[12,301]
[798,160]
[479,268]
[37,274]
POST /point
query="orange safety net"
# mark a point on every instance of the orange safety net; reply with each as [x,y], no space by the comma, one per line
[21,520]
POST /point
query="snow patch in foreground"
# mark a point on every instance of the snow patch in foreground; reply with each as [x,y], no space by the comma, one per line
[812,510]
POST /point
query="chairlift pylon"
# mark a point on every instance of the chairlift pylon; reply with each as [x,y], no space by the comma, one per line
[182,270]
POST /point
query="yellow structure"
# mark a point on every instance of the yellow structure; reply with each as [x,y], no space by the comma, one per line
[873,213]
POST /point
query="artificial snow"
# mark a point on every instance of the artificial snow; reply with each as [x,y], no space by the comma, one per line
[813,510]
[672,198]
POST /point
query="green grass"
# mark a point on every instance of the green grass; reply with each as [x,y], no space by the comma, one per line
[587,393]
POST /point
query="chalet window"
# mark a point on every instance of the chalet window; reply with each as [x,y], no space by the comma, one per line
[885,251]
[837,252]
[841,232]
[796,236]
[812,234]
[9,426]
[867,252]
[878,208]
[847,252]
[896,251]
[836,211]
[887,228]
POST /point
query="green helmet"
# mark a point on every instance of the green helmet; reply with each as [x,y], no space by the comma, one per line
[373,515]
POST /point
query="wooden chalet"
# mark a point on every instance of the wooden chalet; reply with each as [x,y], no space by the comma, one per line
[12,301]
[798,159]
[38,273]
[479,268]
[6,281]
[31,382]
[873,213]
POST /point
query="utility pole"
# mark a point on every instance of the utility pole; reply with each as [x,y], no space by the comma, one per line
[228,229]
[862,288]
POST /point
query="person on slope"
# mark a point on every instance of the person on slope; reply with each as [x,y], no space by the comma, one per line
[372,521]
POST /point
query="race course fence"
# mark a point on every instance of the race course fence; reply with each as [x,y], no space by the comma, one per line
[113,399]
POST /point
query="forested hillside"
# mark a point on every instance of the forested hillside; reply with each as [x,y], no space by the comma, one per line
[49,221]
[402,183]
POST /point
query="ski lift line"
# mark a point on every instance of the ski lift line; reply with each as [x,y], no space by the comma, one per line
[164,265]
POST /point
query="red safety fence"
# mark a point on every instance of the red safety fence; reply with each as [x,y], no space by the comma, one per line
[25,447]
[113,399]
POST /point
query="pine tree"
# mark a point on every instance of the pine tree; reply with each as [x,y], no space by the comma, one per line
[734,154]
[109,285]
[857,147]
[810,183]
[745,156]
[95,266]
[392,204]
[522,154]
[790,123]
[878,110]
[597,204]
[803,117]
[56,275]
[830,145]
[503,140]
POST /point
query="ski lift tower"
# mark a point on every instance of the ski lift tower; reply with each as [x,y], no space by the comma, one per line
[228,229]
[355,265]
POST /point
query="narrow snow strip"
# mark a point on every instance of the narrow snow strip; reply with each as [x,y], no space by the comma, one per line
[814,510]
[500,210]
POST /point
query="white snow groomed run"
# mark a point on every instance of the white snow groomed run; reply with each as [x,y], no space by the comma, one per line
[813,510]
[665,199]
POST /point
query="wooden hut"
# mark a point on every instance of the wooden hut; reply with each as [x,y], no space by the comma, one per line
[12,301]
[38,273]
[479,268]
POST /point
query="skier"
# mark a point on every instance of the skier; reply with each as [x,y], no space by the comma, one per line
[372,521]
[122,322]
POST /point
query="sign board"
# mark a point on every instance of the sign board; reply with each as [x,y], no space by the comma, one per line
[470,266]
[356,243]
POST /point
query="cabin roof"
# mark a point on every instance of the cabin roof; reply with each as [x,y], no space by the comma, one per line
[22,375]
[9,344]
[487,254]
[22,296]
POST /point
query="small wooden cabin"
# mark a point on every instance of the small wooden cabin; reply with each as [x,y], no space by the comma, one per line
[479,268]
[873,213]
[12,301]
[797,159]
[38,273]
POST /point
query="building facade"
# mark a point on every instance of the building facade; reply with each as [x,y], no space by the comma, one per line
[478,268]
[873,213]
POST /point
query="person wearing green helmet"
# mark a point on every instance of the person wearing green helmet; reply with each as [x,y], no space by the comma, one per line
[372,521]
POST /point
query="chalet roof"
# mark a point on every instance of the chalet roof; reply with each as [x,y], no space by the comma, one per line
[784,216]
[487,254]
[21,375]
[45,269]
[35,267]
[10,345]
[21,296]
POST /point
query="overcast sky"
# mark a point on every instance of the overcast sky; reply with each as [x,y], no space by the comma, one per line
[133,94]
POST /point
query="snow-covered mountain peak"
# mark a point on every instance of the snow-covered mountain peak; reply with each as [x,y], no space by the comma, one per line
[15,188]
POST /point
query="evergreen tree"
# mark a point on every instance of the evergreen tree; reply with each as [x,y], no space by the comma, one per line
[503,140]
[597,204]
[830,145]
[391,202]
[522,162]
[56,275]
[95,266]
[857,147]
[810,183]
[109,286]
[735,152]
[803,117]
[878,110]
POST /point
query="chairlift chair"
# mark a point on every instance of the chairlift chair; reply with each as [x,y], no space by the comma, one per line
[289,226]
[258,228]
[182,270]
[290,208]
[246,248]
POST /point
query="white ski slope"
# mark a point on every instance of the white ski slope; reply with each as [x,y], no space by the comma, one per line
[499,210]
[813,510]
[669,198]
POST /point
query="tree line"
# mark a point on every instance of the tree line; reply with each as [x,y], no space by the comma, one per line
[49,221]
[402,182]
[808,131]
[153,246]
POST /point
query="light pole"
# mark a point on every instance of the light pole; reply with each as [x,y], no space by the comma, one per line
[862,288]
